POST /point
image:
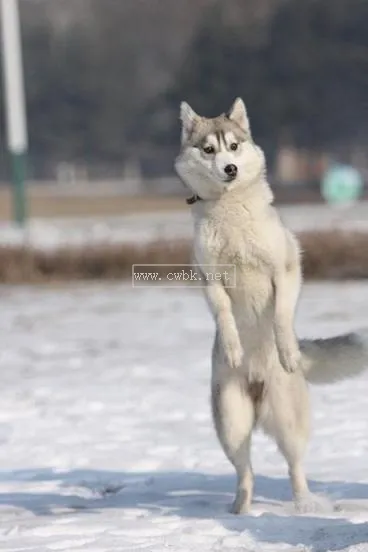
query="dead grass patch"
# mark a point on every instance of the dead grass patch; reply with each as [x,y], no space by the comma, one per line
[326,255]
[26,265]
[335,254]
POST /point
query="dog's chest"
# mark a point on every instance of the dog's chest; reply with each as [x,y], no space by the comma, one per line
[238,240]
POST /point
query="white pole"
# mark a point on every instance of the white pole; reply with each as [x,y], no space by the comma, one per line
[14,100]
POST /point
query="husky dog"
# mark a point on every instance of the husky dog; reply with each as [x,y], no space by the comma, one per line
[260,371]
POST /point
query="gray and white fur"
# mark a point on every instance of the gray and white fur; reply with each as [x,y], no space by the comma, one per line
[260,371]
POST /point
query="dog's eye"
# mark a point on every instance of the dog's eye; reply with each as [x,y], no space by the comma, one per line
[234,146]
[209,149]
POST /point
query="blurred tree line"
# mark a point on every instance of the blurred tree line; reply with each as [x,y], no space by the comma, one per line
[104,79]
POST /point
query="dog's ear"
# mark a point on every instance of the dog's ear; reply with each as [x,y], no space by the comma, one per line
[238,114]
[188,118]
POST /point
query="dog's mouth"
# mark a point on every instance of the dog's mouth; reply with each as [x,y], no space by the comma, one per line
[229,179]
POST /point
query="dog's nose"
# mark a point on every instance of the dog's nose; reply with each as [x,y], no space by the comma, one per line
[231,170]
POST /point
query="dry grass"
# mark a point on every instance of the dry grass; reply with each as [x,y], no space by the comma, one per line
[335,254]
[25,265]
[331,254]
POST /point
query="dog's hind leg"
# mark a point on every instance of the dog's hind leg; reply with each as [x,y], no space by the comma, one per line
[233,415]
[286,418]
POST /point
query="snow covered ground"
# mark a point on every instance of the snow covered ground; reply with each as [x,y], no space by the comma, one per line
[106,442]
[51,233]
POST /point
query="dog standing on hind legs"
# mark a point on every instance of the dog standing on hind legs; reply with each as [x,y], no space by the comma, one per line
[260,372]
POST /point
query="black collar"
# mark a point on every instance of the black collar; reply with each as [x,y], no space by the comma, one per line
[193,199]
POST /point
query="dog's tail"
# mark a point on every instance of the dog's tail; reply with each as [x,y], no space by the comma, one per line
[335,358]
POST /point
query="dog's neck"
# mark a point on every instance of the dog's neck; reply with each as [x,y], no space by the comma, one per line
[254,193]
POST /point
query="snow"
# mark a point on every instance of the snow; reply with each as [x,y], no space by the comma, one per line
[143,228]
[106,438]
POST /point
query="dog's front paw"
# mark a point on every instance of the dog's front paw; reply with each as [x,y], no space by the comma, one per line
[291,360]
[234,353]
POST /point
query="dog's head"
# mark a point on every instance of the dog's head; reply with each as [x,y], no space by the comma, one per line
[217,154]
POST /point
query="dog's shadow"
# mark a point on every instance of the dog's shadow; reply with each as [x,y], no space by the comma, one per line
[200,496]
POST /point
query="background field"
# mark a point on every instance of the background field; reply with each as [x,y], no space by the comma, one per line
[106,437]
[334,241]
[46,202]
